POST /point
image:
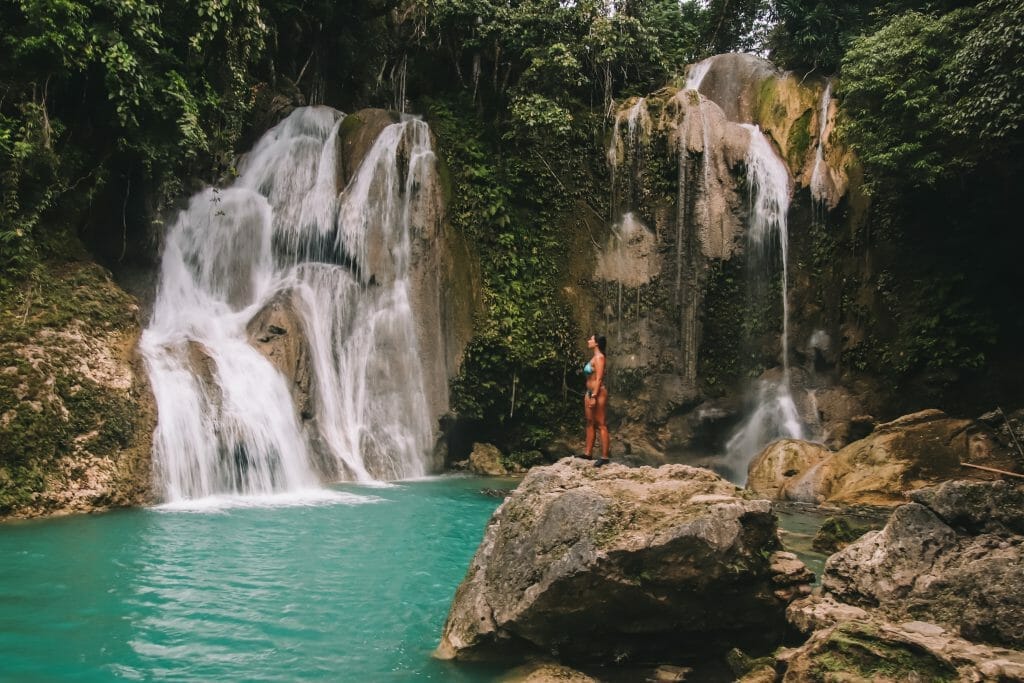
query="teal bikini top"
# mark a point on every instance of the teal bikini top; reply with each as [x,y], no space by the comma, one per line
[588,369]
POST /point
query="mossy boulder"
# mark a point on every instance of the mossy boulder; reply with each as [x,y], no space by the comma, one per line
[487,460]
[76,413]
[849,644]
[356,136]
[859,652]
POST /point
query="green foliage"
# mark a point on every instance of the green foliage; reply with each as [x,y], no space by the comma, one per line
[581,50]
[932,107]
[511,378]
[893,89]
[814,34]
[91,84]
[535,116]
[935,94]
[986,76]
[731,315]
[106,99]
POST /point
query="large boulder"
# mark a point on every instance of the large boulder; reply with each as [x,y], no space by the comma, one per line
[603,564]
[781,471]
[915,451]
[356,137]
[953,556]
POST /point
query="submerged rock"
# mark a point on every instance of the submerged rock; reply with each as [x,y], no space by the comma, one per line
[604,564]
[835,534]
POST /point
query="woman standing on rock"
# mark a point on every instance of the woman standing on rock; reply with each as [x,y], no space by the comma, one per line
[595,401]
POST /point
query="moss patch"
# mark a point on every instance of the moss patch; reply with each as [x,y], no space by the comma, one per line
[835,534]
[799,140]
[60,293]
[349,125]
[859,649]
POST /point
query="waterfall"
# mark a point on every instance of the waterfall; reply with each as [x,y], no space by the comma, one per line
[697,73]
[227,420]
[638,125]
[617,263]
[775,414]
[768,228]
[820,175]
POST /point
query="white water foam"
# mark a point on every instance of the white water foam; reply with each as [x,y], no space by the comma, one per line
[303,498]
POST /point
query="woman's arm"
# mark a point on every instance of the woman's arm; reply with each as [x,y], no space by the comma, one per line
[599,374]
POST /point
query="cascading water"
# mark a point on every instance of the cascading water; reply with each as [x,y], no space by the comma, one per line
[624,223]
[697,73]
[775,414]
[638,125]
[820,174]
[227,419]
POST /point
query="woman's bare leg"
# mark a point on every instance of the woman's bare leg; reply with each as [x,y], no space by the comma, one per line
[599,419]
[589,413]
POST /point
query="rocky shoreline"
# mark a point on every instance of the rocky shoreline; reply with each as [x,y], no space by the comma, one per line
[592,573]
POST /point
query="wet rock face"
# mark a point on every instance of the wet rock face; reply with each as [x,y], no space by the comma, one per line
[658,278]
[359,131]
[732,82]
[444,272]
[603,564]
[276,332]
[954,557]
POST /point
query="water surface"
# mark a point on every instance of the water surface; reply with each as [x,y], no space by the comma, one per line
[350,587]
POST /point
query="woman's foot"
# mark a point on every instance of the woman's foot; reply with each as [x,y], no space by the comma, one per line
[585,456]
[601,462]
